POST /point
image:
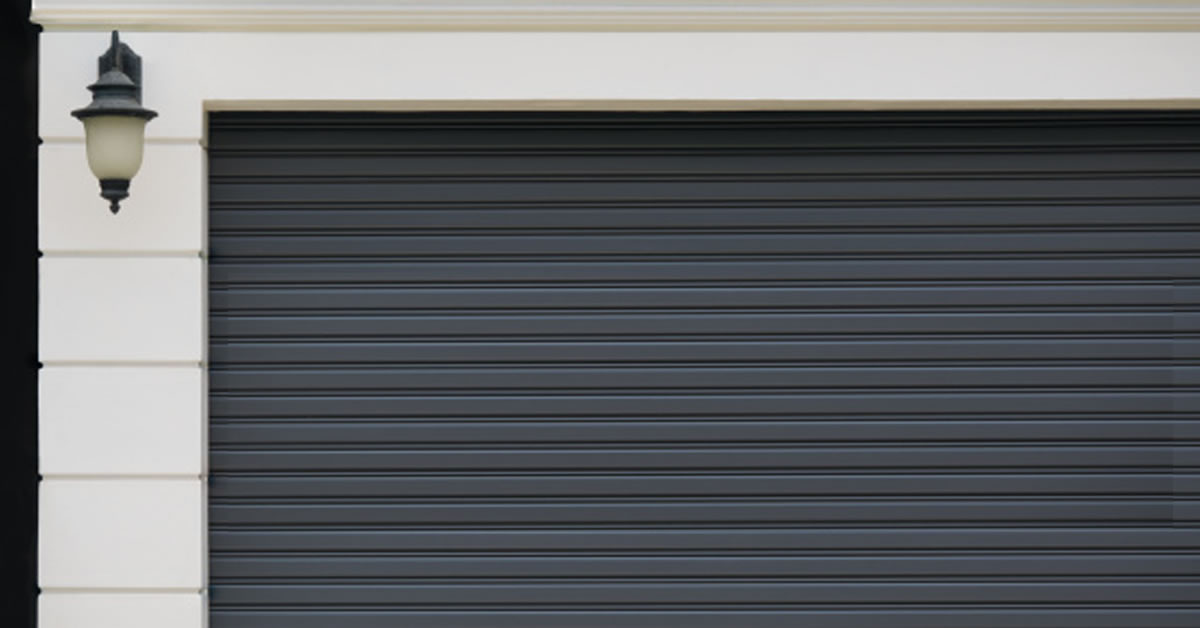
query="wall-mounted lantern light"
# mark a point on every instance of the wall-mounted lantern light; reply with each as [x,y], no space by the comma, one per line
[115,122]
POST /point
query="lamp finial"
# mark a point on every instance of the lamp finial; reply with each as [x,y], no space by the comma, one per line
[115,50]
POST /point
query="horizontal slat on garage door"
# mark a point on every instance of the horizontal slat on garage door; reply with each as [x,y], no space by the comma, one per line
[705,370]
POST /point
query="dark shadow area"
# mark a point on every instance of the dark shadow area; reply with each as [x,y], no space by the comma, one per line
[18,418]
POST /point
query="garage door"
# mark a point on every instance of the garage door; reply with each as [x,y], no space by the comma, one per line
[722,370]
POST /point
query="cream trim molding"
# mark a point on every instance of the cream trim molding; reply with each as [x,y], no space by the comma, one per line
[189,73]
[626,15]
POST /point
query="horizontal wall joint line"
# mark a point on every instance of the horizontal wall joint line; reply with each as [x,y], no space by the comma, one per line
[123,590]
[117,363]
[122,253]
[152,477]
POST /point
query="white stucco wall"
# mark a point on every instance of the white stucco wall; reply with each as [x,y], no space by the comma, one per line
[122,520]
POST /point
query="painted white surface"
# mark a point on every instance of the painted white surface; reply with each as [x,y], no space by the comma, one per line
[186,73]
[121,534]
[121,610]
[102,309]
[120,292]
[121,421]
[618,14]
[164,212]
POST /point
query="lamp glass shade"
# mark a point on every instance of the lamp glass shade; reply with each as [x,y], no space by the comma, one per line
[114,145]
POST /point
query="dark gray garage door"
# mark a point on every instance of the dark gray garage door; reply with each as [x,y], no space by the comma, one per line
[704,370]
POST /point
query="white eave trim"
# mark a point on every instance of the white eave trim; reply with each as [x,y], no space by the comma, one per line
[627,15]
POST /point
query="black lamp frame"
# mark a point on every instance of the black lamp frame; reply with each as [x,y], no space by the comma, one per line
[118,92]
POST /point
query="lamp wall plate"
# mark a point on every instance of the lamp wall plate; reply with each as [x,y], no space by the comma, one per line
[131,64]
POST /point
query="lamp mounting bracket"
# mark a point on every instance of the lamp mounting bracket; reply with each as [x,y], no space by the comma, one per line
[123,58]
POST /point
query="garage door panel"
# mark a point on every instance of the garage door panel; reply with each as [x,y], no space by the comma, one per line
[592,132]
[777,457]
[930,350]
[704,245]
[994,617]
[350,430]
[590,370]
[407,160]
[255,217]
[1148,294]
[963,564]
[963,268]
[811,484]
[713,378]
[775,593]
[1082,188]
[665,538]
[660,405]
[697,324]
[664,510]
